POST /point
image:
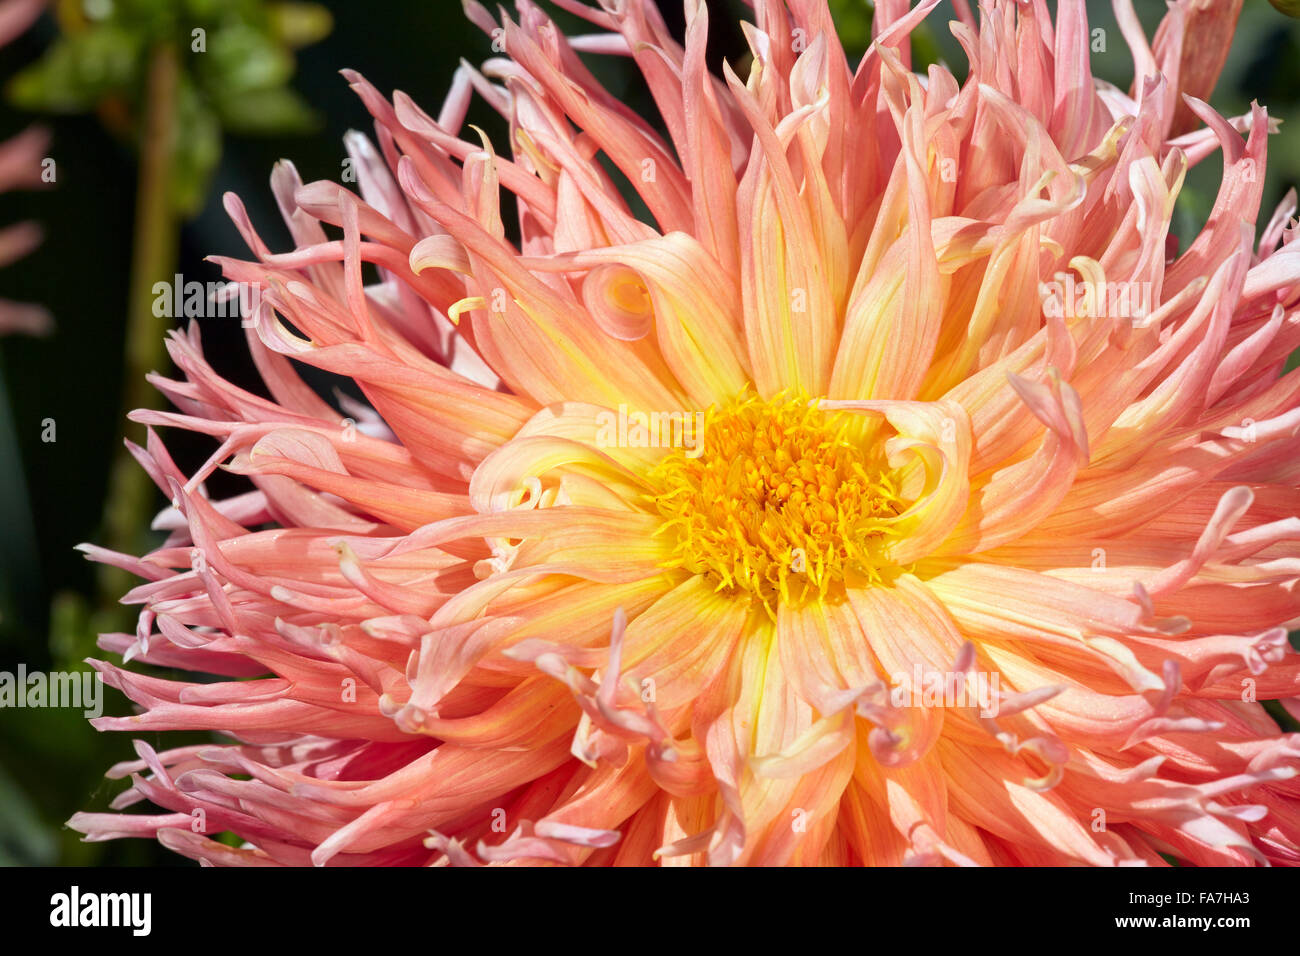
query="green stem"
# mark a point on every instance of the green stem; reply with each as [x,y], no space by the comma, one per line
[131,495]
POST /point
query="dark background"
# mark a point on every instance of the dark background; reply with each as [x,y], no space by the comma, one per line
[51,494]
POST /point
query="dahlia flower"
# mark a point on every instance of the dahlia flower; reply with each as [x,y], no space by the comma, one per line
[20,166]
[679,538]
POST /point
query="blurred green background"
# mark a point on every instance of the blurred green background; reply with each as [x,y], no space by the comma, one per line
[52,493]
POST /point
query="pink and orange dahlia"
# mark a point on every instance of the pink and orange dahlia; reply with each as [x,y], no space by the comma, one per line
[892,490]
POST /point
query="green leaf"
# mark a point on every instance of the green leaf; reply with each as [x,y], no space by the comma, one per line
[72,636]
[197,10]
[239,59]
[25,839]
[195,151]
[925,48]
[79,70]
[275,110]
[298,25]
[852,20]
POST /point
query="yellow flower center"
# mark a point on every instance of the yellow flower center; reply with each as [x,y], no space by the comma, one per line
[779,498]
